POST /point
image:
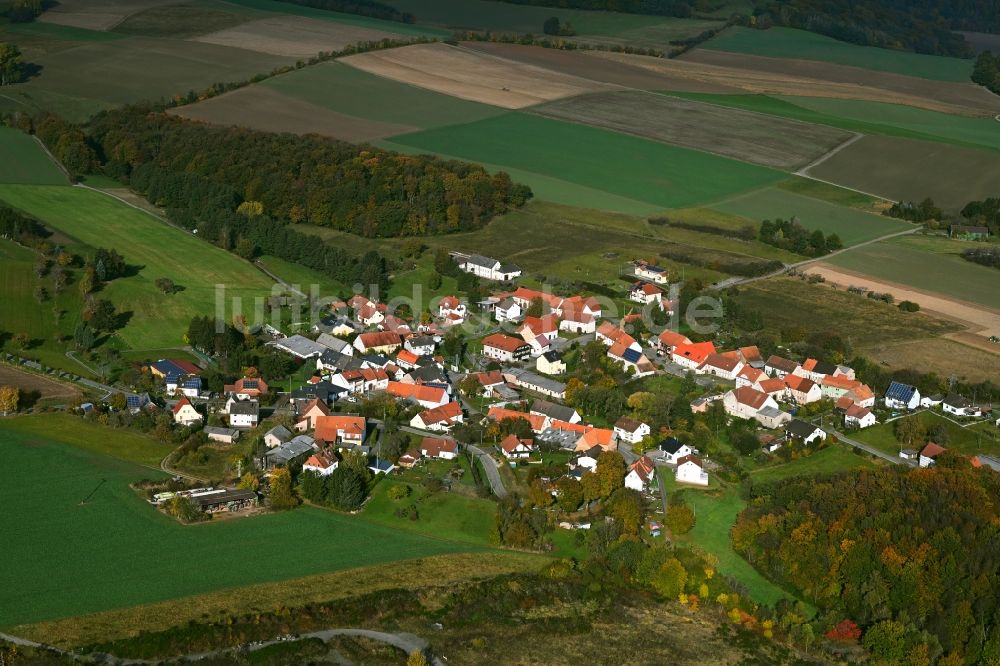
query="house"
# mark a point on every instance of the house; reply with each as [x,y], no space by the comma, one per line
[406,359]
[690,470]
[361,381]
[489,380]
[185,413]
[692,355]
[246,387]
[335,344]
[908,454]
[990,462]
[321,464]
[440,418]
[577,321]
[244,414]
[507,310]
[645,293]
[802,390]
[902,396]
[285,454]
[631,430]
[601,437]
[312,410]
[421,345]
[380,342]
[489,268]
[425,395]
[409,459]
[346,429]
[816,370]
[338,326]
[931,400]
[176,367]
[188,385]
[554,411]
[749,376]
[672,450]
[505,348]
[726,366]
[450,305]
[966,232]
[751,356]
[838,386]
[586,459]
[928,454]
[806,432]
[858,417]
[772,417]
[526,379]
[222,435]
[537,422]
[439,447]
[777,366]
[745,402]
[514,448]
[628,352]
[772,386]
[650,272]
[959,406]
[551,363]
[394,324]
[370,314]
[668,340]
[640,474]
[299,346]
[546,326]
[277,436]
[380,466]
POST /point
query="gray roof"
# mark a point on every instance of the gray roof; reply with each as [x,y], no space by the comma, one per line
[300,346]
[225,432]
[289,451]
[990,461]
[279,431]
[509,268]
[553,410]
[564,438]
[245,407]
[769,412]
[227,495]
[799,428]
[332,342]
[507,303]
[480,260]
[420,341]
[523,377]
[428,373]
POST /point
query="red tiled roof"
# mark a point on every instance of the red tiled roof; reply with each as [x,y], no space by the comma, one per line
[932,450]
[435,446]
[180,404]
[511,442]
[504,342]
[769,386]
[721,361]
[537,421]
[380,339]
[446,412]
[751,353]
[318,460]
[328,426]
[696,351]
[800,384]
[750,397]
[689,458]
[418,392]
[491,378]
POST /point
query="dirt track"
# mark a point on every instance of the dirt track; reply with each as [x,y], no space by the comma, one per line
[27,382]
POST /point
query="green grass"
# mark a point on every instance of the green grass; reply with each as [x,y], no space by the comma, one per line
[866,117]
[625,166]
[443,515]
[833,458]
[967,441]
[345,89]
[54,31]
[405,283]
[853,226]
[157,320]
[23,161]
[302,277]
[927,263]
[339,17]
[841,196]
[800,44]
[116,551]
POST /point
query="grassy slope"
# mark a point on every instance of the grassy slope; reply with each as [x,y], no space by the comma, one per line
[23,161]
[930,264]
[348,90]
[834,458]
[661,175]
[853,226]
[967,441]
[158,320]
[142,556]
[800,44]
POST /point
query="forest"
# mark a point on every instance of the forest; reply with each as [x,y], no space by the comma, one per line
[792,236]
[372,8]
[311,179]
[985,213]
[905,560]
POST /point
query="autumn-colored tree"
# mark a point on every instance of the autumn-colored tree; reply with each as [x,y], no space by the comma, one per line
[280,496]
[249,481]
[9,397]
[470,386]
[416,658]
[680,518]
[536,307]
[117,401]
[590,484]
[570,493]
[538,495]
[610,471]
[886,641]
[910,431]
[670,579]
[573,389]
[250,209]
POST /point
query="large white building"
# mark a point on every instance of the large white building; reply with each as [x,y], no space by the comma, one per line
[489,268]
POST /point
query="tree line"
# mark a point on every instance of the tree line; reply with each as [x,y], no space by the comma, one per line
[987,71]
[677,8]
[791,235]
[372,8]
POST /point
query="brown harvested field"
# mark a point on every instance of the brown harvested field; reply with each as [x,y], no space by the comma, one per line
[968,97]
[911,170]
[471,75]
[97,14]
[585,65]
[265,109]
[776,83]
[942,356]
[979,319]
[745,135]
[28,382]
[294,36]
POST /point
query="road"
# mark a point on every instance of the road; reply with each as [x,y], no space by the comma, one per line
[896,460]
[492,470]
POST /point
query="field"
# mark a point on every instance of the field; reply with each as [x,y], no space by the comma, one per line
[470,75]
[96,14]
[943,357]
[195,17]
[24,161]
[928,264]
[142,556]
[160,250]
[967,441]
[294,36]
[301,277]
[780,42]
[659,174]
[751,137]
[28,382]
[853,226]
[793,303]
[72,431]
[833,458]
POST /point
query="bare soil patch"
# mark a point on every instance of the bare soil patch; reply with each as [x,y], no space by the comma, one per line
[29,382]
[97,14]
[747,136]
[967,98]
[981,321]
[471,75]
[265,109]
[585,65]
[294,36]
[777,83]
[944,357]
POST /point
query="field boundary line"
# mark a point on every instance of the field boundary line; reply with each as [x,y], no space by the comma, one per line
[59,165]
[830,153]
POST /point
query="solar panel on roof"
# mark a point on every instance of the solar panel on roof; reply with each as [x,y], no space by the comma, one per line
[249,383]
[631,355]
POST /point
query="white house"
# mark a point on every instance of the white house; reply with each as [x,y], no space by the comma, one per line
[244,414]
[672,450]
[640,474]
[650,272]
[577,321]
[693,355]
[745,402]
[507,310]
[631,430]
[902,396]
[777,366]
[806,432]
[551,363]
[726,366]
[185,413]
[505,348]
[959,406]
[858,417]
[802,390]
[438,419]
[439,447]
[421,345]
[221,435]
[514,448]
[277,436]
[321,464]
[489,268]
[645,293]
[690,470]
[929,454]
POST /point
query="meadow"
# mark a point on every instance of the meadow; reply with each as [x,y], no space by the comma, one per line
[24,162]
[781,42]
[158,249]
[195,17]
[830,459]
[114,550]
[912,170]
[967,441]
[944,357]
[927,263]
[659,174]
[852,225]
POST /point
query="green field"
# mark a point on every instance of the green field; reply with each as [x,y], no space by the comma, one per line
[833,458]
[345,89]
[115,550]
[23,161]
[865,117]
[607,162]
[157,320]
[800,44]
[339,17]
[967,441]
[853,226]
[929,264]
